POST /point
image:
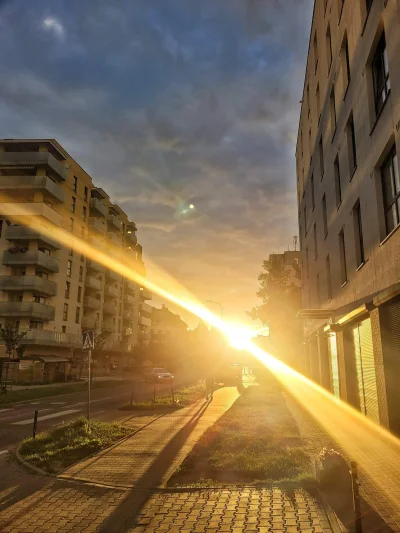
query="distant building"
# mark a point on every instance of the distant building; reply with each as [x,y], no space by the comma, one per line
[348,192]
[165,325]
[290,260]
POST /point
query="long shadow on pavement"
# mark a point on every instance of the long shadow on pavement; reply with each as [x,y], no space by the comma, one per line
[124,517]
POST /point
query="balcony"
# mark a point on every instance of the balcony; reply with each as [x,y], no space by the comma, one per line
[128,331]
[97,208]
[30,210]
[146,308]
[35,284]
[96,224]
[144,335]
[45,337]
[127,316]
[89,322]
[144,321]
[10,160]
[24,184]
[131,239]
[128,299]
[111,291]
[114,238]
[91,303]
[109,327]
[110,274]
[145,294]
[26,234]
[31,257]
[95,266]
[110,309]
[32,310]
[130,286]
[114,223]
[93,283]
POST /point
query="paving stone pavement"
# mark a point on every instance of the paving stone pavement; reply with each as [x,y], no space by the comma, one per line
[317,439]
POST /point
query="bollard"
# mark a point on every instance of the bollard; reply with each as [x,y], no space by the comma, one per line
[154,393]
[356,497]
[35,424]
[172,393]
[132,397]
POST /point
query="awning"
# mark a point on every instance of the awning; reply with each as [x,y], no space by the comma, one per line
[315,314]
[48,358]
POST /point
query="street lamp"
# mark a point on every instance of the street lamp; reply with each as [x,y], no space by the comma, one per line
[215,303]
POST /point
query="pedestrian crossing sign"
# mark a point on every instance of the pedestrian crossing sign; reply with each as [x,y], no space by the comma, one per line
[88,340]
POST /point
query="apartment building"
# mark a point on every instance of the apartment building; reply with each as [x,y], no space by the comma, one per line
[166,325]
[348,189]
[290,260]
[47,289]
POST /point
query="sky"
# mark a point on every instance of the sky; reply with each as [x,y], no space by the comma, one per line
[185,111]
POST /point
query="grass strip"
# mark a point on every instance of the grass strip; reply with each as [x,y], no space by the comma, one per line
[183,396]
[62,446]
[57,390]
[255,442]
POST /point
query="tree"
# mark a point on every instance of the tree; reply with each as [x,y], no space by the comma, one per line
[12,338]
[281,300]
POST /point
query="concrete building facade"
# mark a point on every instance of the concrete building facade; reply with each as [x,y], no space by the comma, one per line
[348,189]
[48,289]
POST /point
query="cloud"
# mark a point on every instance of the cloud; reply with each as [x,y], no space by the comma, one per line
[54,25]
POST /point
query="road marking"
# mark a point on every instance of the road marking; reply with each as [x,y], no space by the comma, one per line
[3,451]
[58,403]
[93,401]
[34,403]
[46,417]
[98,412]
[4,410]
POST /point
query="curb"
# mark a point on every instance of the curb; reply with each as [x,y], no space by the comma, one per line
[30,466]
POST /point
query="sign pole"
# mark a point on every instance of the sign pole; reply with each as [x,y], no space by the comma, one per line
[88,346]
[89,385]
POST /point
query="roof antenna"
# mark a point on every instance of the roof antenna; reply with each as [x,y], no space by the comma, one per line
[295,240]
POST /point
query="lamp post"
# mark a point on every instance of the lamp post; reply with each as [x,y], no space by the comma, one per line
[216,303]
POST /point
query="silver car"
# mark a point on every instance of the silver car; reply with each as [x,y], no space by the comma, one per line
[158,375]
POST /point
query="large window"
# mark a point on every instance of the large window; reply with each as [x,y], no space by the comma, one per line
[77,315]
[358,234]
[79,298]
[391,190]
[75,184]
[380,71]
[342,252]
[351,146]
[67,289]
[324,215]
[73,204]
[338,185]
[85,194]
[65,312]
[69,268]
[81,273]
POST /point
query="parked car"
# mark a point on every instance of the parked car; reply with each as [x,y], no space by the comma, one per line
[158,375]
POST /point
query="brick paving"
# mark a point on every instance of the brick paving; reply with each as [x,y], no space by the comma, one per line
[317,439]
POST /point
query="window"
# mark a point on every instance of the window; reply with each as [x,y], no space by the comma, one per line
[338,186]
[333,111]
[38,300]
[84,212]
[71,225]
[380,71]
[77,315]
[64,329]
[358,234]
[67,289]
[321,157]
[85,194]
[73,204]
[79,299]
[69,268]
[328,277]
[324,216]
[312,191]
[342,252]
[75,184]
[351,145]
[316,52]
[341,4]
[318,98]
[81,273]
[315,240]
[391,191]
[70,252]
[307,266]
[65,312]
[329,47]
[345,64]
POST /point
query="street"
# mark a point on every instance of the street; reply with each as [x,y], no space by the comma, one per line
[16,420]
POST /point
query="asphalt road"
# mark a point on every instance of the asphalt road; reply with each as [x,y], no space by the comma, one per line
[16,421]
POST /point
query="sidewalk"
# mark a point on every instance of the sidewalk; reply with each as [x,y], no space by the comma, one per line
[124,489]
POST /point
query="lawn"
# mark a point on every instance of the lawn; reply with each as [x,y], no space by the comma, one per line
[183,396]
[36,393]
[255,442]
[61,447]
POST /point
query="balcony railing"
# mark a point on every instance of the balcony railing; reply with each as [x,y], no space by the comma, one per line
[130,286]
[131,239]
[111,291]
[29,210]
[128,299]
[29,183]
[127,316]
[96,224]
[32,310]
[89,322]
[144,321]
[115,238]
[95,266]
[31,257]
[97,208]
[114,223]
[93,283]
[26,233]
[91,303]
[146,308]
[111,274]
[109,327]
[33,159]
[45,337]
[33,284]
[110,309]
